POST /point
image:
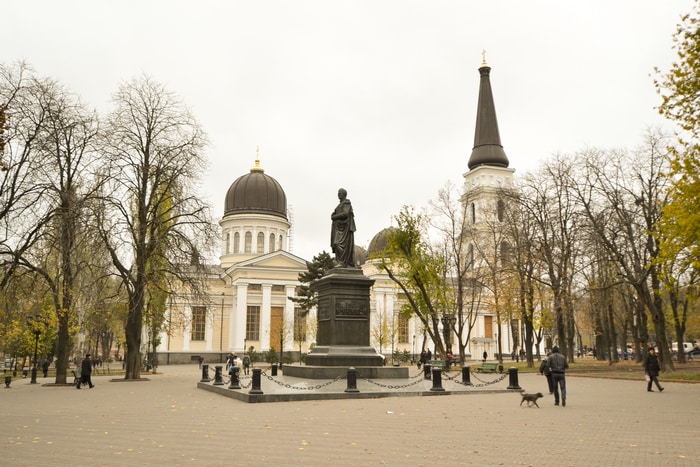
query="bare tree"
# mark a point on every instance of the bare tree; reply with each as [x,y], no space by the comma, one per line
[547,199]
[151,216]
[622,194]
[59,144]
[456,237]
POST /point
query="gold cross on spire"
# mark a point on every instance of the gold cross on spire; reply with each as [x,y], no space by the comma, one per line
[483,58]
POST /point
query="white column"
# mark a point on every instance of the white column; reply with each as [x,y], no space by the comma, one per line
[237,318]
[289,317]
[265,316]
[163,346]
[376,320]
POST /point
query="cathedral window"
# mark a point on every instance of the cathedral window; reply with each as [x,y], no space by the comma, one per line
[505,254]
[227,248]
[279,243]
[403,329]
[261,243]
[252,325]
[248,242]
[236,242]
[473,212]
[272,243]
[199,316]
[501,210]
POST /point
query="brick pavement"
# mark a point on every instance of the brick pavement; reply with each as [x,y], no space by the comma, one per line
[168,421]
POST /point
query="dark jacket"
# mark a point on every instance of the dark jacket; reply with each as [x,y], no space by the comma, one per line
[86,366]
[557,363]
[544,367]
[651,365]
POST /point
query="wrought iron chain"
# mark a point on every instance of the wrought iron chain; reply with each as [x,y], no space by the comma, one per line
[486,383]
[300,388]
[394,386]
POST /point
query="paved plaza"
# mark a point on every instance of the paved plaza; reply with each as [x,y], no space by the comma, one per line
[169,421]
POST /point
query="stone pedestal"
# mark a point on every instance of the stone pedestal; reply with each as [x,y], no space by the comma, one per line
[343,321]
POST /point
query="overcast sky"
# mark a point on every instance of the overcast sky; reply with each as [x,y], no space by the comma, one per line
[378,97]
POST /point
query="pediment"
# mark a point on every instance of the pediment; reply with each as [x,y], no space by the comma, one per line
[277,261]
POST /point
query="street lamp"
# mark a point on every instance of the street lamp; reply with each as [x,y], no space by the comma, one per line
[413,355]
[33,322]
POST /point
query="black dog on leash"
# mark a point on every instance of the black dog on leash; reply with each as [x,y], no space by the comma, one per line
[530,398]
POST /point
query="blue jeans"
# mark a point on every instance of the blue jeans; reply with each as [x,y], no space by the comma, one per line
[559,380]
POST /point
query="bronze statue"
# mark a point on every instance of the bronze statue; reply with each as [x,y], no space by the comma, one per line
[343,231]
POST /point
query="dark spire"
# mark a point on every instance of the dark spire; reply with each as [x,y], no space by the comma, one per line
[487,142]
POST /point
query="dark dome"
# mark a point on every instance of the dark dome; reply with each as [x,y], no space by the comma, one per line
[256,193]
[379,241]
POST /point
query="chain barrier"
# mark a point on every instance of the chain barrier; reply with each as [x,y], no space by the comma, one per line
[484,383]
[301,388]
[243,385]
[419,378]
[394,386]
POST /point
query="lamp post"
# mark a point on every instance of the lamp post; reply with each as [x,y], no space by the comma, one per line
[32,322]
[413,354]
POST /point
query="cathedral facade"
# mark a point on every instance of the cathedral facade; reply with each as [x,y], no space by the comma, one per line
[249,301]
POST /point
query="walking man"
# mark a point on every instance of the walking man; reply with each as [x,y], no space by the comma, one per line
[557,366]
[86,371]
[651,368]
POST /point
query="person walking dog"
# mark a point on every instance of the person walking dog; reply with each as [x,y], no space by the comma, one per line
[557,367]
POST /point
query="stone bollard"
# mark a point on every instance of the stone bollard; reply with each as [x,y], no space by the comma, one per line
[255,385]
[352,380]
[218,376]
[274,369]
[513,378]
[437,380]
[235,380]
[466,377]
[426,371]
[205,374]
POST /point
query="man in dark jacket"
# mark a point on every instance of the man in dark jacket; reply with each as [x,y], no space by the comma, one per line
[651,368]
[557,366]
[86,371]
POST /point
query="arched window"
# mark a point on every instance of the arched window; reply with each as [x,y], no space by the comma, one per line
[236,242]
[473,212]
[279,244]
[501,210]
[261,243]
[272,243]
[227,247]
[505,253]
[248,242]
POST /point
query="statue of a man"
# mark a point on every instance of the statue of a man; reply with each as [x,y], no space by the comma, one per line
[343,231]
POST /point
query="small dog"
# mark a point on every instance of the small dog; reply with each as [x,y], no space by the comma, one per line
[530,398]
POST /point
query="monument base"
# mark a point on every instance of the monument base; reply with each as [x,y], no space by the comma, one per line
[331,361]
[344,355]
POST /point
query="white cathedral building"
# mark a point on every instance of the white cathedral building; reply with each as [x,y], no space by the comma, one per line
[249,305]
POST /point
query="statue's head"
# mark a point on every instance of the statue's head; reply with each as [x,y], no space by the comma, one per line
[342,193]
